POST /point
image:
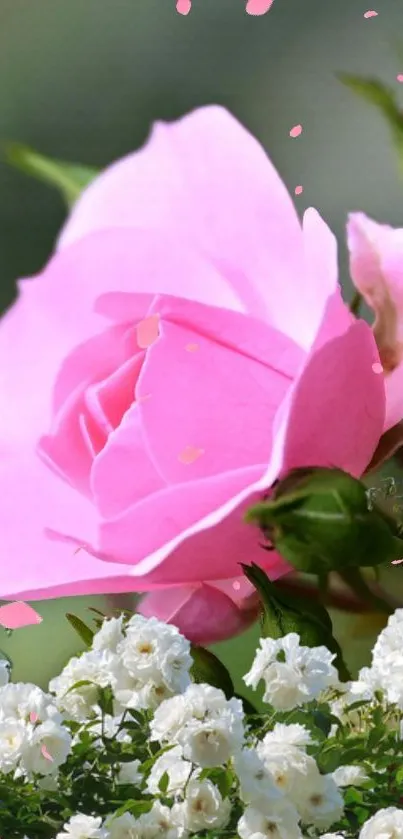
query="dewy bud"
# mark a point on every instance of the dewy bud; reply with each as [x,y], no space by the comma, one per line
[320,520]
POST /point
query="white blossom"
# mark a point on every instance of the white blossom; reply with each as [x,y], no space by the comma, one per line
[385,824]
[156,652]
[99,667]
[350,776]
[49,747]
[256,781]
[122,827]
[279,821]
[14,741]
[177,769]
[109,635]
[292,735]
[27,702]
[83,827]
[129,773]
[290,767]
[162,823]
[203,807]
[292,674]
[319,801]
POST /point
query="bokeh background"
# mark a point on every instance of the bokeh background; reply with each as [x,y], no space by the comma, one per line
[82,80]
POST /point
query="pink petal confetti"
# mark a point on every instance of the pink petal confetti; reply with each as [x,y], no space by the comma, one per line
[236,585]
[258,7]
[45,753]
[400,77]
[370,13]
[397,561]
[190,454]
[192,347]
[299,190]
[33,717]
[183,7]
[147,331]
[377,367]
[18,614]
[296,131]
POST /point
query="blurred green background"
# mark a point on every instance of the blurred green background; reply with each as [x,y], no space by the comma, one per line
[82,80]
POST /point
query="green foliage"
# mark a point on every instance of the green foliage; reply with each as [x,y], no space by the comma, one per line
[86,634]
[209,669]
[69,178]
[319,520]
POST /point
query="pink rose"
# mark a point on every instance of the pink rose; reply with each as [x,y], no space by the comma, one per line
[186,344]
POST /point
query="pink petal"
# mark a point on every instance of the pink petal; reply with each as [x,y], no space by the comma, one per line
[55,313]
[16,615]
[338,404]
[376,266]
[203,613]
[205,178]
[124,472]
[212,411]
[38,567]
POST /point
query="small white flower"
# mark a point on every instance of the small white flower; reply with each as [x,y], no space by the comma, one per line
[83,827]
[292,735]
[4,672]
[109,635]
[162,823]
[278,821]
[332,836]
[385,824]
[99,667]
[177,769]
[204,808]
[207,726]
[292,674]
[290,767]
[50,745]
[319,802]
[27,702]
[129,773]
[213,741]
[255,779]
[122,827]
[153,651]
[350,776]
[14,740]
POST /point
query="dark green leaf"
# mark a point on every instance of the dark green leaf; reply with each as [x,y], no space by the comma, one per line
[86,634]
[384,99]
[207,668]
[284,613]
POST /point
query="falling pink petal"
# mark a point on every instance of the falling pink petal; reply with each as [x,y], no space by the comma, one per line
[190,454]
[377,367]
[397,561]
[18,614]
[296,131]
[236,585]
[258,7]
[45,753]
[192,347]
[400,77]
[299,190]
[33,717]
[370,13]
[183,6]
[147,331]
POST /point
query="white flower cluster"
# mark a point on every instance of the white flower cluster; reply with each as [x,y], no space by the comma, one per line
[144,662]
[292,674]
[203,766]
[33,739]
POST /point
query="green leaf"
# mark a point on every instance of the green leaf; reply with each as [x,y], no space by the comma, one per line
[163,782]
[384,99]
[207,668]
[284,613]
[69,178]
[86,634]
[319,521]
